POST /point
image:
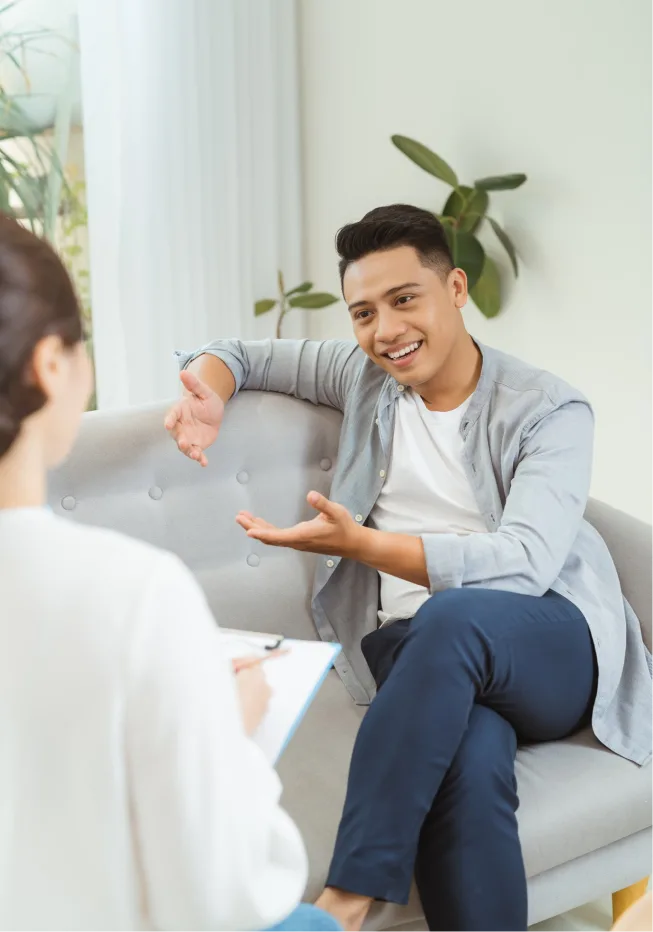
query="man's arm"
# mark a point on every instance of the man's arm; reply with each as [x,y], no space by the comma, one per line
[322,372]
[541,519]
[525,554]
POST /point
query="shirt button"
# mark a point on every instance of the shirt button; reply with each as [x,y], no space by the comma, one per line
[377,422]
[400,388]
[382,473]
[359,517]
[330,563]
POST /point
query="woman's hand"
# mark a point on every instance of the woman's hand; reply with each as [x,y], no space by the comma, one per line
[333,531]
[254,694]
[194,420]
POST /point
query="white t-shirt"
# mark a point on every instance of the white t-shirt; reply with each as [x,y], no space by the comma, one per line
[130,796]
[426,491]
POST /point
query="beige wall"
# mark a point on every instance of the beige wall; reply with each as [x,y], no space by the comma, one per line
[561,91]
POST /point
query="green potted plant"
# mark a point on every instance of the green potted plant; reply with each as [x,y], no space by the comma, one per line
[463,214]
[33,187]
[301,296]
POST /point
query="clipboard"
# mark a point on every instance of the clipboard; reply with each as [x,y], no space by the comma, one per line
[295,679]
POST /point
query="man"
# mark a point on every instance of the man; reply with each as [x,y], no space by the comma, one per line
[457,516]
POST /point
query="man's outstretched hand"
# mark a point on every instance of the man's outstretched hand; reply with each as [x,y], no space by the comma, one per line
[194,420]
[333,531]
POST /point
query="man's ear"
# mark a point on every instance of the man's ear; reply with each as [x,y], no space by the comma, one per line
[458,286]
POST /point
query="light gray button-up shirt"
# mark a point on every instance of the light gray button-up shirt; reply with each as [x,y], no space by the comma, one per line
[527,448]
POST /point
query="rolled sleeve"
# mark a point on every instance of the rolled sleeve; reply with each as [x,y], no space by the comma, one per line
[541,517]
[322,372]
[225,350]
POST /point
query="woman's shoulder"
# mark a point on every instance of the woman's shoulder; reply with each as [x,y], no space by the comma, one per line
[106,556]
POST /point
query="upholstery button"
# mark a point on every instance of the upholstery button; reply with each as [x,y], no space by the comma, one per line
[330,563]
[359,517]
[325,464]
[242,477]
[382,473]
[253,560]
[68,502]
[156,493]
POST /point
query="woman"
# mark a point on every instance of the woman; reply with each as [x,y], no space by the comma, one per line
[130,794]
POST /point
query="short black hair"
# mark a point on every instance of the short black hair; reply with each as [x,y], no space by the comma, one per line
[389,227]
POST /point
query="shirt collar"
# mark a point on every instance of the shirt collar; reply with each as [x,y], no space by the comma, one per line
[392,389]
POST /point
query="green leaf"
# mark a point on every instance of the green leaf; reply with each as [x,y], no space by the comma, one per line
[506,242]
[500,182]
[300,289]
[4,199]
[262,307]
[486,293]
[426,159]
[468,254]
[313,301]
[467,206]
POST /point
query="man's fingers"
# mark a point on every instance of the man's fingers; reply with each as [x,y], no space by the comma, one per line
[196,453]
[247,520]
[192,384]
[321,503]
[172,417]
[274,537]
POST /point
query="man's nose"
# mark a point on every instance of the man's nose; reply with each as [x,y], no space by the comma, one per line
[390,327]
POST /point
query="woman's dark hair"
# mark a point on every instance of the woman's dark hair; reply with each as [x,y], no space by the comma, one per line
[397,225]
[37,299]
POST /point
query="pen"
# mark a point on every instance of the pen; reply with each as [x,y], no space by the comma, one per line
[246,663]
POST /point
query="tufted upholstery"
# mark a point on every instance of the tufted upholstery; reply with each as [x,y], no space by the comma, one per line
[585,814]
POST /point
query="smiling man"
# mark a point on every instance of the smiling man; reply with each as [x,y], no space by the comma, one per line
[458,573]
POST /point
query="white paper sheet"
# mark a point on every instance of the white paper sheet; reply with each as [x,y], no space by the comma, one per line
[294,679]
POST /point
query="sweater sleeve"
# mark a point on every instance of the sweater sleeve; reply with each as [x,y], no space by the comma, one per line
[216,849]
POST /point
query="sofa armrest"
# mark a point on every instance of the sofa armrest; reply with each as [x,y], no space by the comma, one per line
[629,542]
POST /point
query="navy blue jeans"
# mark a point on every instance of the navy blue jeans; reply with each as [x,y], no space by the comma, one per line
[431,788]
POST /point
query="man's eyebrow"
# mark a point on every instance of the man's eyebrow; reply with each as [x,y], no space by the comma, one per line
[389,293]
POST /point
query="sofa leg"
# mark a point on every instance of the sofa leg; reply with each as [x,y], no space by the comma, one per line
[622,899]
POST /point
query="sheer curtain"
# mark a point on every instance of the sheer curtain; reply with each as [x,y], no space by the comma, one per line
[193,178]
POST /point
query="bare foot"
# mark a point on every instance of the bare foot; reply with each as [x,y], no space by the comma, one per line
[349,909]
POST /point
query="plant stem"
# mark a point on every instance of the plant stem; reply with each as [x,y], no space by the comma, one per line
[283,305]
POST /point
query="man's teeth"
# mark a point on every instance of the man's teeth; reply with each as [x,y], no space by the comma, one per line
[405,351]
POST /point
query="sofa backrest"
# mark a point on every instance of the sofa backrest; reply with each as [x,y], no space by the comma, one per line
[125,473]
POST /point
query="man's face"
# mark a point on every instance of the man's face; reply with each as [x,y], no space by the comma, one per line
[405,316]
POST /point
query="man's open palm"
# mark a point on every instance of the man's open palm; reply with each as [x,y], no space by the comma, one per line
[194,420]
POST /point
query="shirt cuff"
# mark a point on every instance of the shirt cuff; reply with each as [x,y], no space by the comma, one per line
[231,361]
[445,561]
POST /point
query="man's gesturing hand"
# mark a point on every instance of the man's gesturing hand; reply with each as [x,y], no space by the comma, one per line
[194,420]
[333,531]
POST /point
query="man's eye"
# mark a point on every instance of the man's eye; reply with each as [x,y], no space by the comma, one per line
[405,298]
[361,315]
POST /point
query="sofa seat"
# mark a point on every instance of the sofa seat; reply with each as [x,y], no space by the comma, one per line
[571,795]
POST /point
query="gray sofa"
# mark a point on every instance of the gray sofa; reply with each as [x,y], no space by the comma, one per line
[585,816]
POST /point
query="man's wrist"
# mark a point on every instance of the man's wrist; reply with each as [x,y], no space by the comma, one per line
[362,543]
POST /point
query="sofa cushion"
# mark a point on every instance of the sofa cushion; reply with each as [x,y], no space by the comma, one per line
[576,796]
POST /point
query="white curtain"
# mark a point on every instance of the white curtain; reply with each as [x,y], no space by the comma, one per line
[193,178]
